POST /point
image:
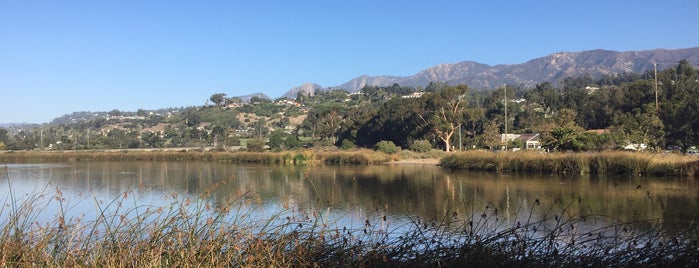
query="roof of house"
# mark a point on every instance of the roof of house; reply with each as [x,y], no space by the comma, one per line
[529,137]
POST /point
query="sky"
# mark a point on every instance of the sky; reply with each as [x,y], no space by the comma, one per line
[58,57]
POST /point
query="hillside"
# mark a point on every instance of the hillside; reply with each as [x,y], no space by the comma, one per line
[551,68]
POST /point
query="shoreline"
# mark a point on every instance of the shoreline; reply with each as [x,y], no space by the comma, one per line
[416,161]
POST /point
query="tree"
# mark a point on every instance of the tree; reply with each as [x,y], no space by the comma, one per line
[219,99]
[292,142]
[396,120]
[255,145]
[152,139]
[641,126]
[192,117]
[679,109]
[260,127]
[114,112]
[491,135]
[563,134]
[546,96]
[323,121]
[216,132]
[276,139]
[3,135]
[443,112]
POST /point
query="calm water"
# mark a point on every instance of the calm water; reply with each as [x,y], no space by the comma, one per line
[352,194]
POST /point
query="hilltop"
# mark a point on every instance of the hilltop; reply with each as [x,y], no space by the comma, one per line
[551,68]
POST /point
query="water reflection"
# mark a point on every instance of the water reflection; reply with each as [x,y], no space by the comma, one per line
[366,191]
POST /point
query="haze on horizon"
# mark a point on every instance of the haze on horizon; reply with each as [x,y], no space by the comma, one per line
[61,57]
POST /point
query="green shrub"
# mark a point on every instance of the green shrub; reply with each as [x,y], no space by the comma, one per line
[347,144]
[292,142]
[255,145]
[387,147]
[421,146]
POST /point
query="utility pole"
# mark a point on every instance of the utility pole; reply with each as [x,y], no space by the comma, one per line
[655,69]
[461,147]
[506,138]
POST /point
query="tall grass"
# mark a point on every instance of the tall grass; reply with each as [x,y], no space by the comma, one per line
[198,232]
[605,163]
[351,157]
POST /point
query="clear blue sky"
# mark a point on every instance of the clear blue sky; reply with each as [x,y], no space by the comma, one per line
[57,57]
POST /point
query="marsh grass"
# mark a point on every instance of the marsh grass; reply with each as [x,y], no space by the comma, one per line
[605,163]
[210,231]
[296,157]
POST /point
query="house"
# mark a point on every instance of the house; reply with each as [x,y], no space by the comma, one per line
[530,141]
[413,95]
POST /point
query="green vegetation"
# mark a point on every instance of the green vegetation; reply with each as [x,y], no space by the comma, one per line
[607,163]
[202,232]
[579,114]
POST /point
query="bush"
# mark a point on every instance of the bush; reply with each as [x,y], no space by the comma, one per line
[421,146]
[292,142]
[255,145]
[347,144]
[387,147]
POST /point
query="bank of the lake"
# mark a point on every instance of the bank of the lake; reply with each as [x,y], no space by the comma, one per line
[322,156]
[599,163]
[603,163]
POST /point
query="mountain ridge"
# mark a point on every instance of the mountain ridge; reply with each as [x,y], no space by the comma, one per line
[550,68]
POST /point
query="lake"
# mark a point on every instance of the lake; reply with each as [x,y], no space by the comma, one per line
[389,195]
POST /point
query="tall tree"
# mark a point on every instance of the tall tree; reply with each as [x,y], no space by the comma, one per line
[219,99]
[679,109]
[491,135]
[443,112]
[641,126]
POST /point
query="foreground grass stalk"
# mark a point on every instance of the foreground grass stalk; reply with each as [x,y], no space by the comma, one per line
[201,232]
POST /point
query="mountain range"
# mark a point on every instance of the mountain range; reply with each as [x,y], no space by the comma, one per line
[551,68]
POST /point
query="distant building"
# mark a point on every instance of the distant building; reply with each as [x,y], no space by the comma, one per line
[413,95]
[591,90]
[288,102]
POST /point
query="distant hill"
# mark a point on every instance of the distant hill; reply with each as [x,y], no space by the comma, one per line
[551,68]
[307,88]
[246,98]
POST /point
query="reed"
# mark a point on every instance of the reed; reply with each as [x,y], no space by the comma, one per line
[199,232]
[604,163]
[350,157]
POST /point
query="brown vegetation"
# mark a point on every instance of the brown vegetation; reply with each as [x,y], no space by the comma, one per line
[605,163]
[351,157]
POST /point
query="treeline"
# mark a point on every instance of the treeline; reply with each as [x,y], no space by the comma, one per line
[621,110]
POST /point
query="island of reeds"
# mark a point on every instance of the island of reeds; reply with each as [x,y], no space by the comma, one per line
[604,163]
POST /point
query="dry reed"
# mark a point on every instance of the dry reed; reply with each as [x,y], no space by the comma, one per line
[604,163]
